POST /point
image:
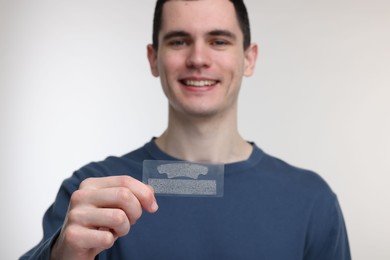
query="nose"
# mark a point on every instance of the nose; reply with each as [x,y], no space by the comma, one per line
[198,56]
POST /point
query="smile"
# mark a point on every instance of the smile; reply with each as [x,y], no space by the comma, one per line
[199,83]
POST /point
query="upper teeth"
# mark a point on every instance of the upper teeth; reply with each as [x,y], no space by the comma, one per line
[200,83]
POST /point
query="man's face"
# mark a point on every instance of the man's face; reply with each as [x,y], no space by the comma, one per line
[201,60]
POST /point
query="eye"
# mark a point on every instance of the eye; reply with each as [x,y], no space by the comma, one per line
[178,43]
[219,43]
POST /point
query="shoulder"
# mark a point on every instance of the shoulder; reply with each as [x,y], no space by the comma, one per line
[308,188]
[295,184]
[292,175]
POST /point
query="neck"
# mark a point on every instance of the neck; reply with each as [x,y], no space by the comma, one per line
[201,139]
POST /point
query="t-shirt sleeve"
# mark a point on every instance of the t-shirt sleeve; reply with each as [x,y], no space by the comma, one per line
[42,250]
[327,237]
[53,220]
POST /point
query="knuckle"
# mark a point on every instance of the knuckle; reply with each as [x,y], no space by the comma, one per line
[76,216]
[118,218]
[77,197]
[120,222]
[125,181]
[123,195]
[73,216]
[130,204]
[86,183]
[107,239]
[71,234]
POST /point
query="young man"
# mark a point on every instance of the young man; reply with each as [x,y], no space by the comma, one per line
[270,210]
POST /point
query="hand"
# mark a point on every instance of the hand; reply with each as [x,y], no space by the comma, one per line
[102,210]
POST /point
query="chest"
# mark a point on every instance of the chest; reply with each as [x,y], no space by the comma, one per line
[233,227]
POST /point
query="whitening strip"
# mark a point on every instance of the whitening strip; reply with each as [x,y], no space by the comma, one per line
[181,178]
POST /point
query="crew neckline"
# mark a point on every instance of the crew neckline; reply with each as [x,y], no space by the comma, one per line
[254,158]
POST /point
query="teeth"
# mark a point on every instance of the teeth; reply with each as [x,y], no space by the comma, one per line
[200,83]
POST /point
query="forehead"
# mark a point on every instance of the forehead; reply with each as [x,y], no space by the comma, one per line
[198,15]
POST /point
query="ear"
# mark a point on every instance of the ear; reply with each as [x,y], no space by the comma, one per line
[250,59]
[152,57]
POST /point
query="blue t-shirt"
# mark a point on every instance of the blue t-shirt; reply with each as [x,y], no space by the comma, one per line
[270,210]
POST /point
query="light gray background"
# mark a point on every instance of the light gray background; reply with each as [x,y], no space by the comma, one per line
[75,87]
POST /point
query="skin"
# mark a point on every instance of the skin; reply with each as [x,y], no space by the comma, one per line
[101,211]
[205,46]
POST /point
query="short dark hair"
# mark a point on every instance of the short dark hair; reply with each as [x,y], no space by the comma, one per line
[241,12]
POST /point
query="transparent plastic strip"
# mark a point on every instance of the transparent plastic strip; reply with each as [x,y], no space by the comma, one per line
[182,178]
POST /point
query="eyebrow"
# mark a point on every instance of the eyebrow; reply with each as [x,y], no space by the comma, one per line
[180,33]
[224,33]
[173,34]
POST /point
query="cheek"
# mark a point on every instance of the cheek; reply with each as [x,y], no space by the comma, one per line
[233,64]
[169,63]
[168,66]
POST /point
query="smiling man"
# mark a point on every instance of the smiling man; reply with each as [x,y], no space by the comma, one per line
[270,210]
[200,59]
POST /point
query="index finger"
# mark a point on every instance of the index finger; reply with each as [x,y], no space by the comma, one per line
[143,192]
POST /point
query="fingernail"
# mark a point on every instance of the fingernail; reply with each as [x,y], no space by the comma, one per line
[154,206]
